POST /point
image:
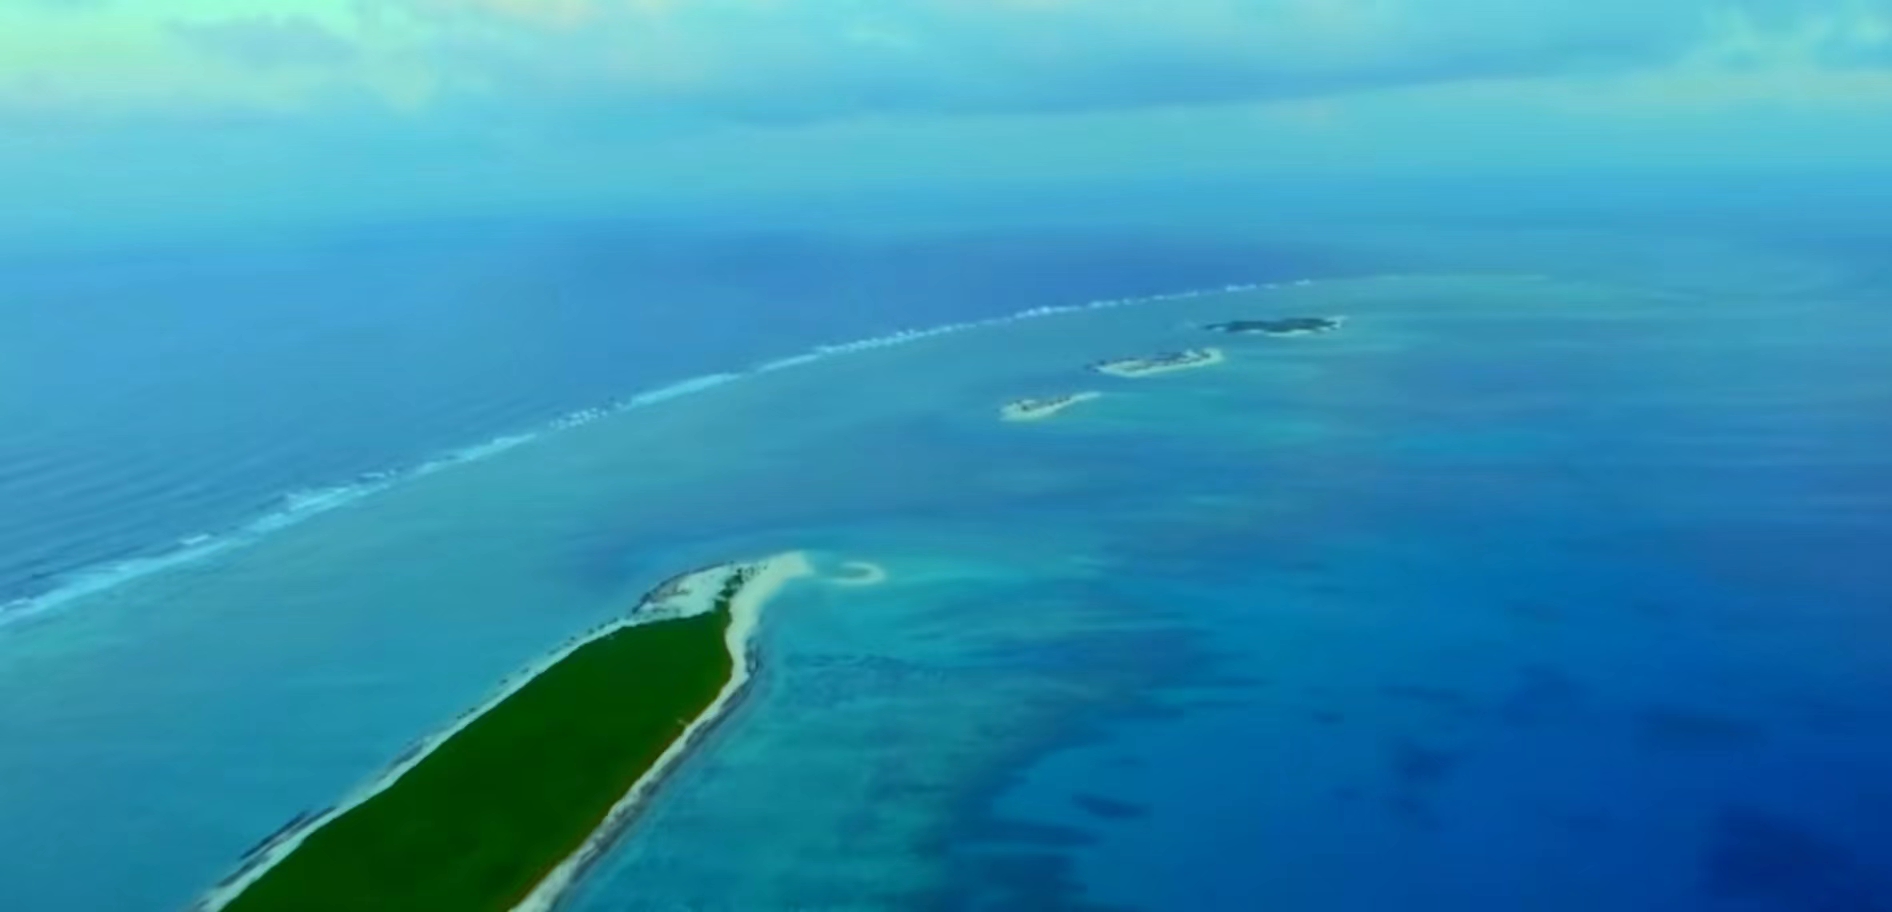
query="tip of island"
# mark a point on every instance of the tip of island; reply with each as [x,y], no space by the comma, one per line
[1283,326]
[1042,407]
[1162,363]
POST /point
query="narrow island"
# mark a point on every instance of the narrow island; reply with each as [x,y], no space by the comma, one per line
[1038,409]
[1166,362]
[506,807]
[1284,326]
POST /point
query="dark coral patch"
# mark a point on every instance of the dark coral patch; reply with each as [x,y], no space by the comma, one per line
[1109,808]
[1758,858]
[1676,729]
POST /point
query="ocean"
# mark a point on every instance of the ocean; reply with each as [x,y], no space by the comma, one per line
[1550,582]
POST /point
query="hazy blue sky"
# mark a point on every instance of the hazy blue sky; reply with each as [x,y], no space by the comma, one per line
[154,110]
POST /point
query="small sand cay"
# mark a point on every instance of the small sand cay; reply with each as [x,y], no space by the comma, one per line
[1164,363]
[1038,409]
[1283,326]
[859,573]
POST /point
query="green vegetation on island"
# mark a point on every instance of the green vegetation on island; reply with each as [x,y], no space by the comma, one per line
[1284,326]
[477,823]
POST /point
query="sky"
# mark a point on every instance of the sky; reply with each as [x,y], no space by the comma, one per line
[153,112]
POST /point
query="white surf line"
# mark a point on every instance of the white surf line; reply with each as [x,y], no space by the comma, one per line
[745,613]
[683,596]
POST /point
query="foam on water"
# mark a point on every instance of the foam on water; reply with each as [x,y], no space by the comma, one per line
[297,506]
[684,388]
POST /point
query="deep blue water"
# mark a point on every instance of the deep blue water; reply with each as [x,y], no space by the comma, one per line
[1556,594]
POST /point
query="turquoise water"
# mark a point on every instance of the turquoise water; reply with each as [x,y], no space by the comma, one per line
[1521,592]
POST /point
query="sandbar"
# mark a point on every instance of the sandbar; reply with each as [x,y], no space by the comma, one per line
[860,573]
[1164,363]
[1040,408]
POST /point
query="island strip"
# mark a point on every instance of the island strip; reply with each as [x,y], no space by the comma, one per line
[1038,409]
[507,806]
[1284,326]
[1166,362]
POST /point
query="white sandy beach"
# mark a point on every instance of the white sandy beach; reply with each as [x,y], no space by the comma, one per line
[1145,367]
[745,612]
[1040,409]
[685,596]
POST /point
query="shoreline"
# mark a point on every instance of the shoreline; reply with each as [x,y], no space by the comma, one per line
[674,598]
[745,616]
